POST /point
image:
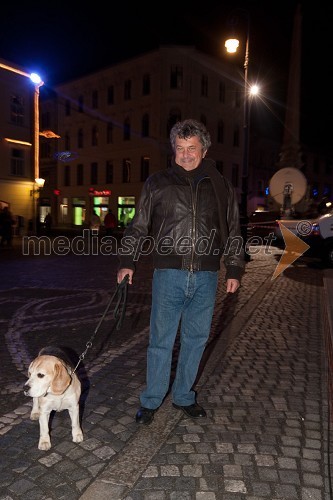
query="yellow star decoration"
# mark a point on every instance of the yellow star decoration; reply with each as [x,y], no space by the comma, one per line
[294,248]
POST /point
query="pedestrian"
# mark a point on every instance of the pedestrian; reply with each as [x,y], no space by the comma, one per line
[95,222]
[189,213]
[7,223]
[48,223]
[110,223]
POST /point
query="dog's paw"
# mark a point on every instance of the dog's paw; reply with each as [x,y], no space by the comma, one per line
[44,444]
[34,416]
[77,437]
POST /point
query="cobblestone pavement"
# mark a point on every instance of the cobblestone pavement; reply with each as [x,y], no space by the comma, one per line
[262,382]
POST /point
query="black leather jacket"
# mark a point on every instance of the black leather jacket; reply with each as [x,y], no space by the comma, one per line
[187,220]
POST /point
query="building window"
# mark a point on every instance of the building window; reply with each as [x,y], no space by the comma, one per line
[204,86]
[80,138]
[67,142]
[176,77]
[127,129]
[94,99]
[126,170]
[110,94]
[127,90]
[17,162]
[145,125]
[234,174]
[144,168]
[93,173]
[79,175]
[94,136]
[174,117]
[236,137]
[222,92]
[220,132]
[17,110]
[81,100]
[203,119]
[146,84]
[67,175]
[109,172]
[109,133]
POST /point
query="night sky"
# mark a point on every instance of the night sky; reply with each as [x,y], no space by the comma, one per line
[66,40]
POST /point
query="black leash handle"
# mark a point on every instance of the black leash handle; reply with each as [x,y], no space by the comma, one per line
[121,295]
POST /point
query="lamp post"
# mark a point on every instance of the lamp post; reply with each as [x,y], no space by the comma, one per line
[40,182]
[232,45]
[38,82]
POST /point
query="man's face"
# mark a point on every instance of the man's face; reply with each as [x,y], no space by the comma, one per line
[189,152]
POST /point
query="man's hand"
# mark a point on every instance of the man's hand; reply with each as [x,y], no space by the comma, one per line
[122,273]
[232,285]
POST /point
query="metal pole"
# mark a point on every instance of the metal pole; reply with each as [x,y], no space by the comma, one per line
[36,159]
[245,169]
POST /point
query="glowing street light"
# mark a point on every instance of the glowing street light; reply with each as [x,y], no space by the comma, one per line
[232,45]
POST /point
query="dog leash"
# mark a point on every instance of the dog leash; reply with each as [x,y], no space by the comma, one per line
[120,295]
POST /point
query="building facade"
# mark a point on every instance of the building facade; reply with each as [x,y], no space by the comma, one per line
[17,186]
[114,129]
[103,134]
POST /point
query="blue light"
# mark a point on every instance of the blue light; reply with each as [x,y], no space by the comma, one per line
[36,79]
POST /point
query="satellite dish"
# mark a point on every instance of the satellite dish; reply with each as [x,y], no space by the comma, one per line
[287,186]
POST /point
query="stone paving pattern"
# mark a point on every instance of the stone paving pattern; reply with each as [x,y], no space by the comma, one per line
[262,382]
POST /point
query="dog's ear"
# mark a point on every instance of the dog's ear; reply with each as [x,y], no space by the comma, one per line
[61,379]
[30,367]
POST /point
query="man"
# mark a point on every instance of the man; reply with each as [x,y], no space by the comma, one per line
[110,222]
[189,215]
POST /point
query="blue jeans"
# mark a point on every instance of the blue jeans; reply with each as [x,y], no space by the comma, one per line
[189,298]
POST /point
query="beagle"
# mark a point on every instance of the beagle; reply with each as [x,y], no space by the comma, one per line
[54,387]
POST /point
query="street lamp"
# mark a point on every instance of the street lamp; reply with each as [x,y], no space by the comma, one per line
[38,82]
[232,45]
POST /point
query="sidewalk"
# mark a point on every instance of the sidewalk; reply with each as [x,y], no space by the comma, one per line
[262,382]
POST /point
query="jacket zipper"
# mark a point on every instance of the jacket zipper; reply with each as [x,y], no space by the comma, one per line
[194,208]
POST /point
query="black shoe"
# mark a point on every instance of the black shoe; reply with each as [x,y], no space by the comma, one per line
[193,411]
[144,416]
